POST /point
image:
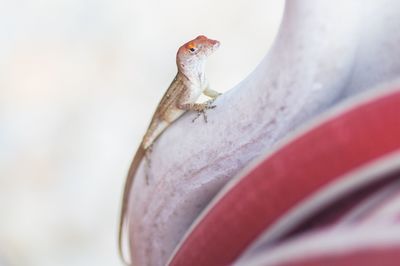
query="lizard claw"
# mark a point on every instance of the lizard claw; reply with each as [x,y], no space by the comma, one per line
[199,114]
[205,117]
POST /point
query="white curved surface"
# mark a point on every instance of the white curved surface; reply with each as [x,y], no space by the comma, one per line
[325,51]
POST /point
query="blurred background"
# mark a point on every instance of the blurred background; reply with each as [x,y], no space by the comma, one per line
[79,80]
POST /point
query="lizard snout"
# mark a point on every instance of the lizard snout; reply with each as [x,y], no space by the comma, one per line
[215,44]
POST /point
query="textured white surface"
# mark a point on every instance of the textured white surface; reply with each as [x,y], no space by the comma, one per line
[325,50]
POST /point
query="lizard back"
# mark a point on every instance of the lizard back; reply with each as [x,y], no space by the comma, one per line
[167,110]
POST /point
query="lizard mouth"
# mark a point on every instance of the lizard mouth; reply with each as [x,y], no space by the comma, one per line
[214,45]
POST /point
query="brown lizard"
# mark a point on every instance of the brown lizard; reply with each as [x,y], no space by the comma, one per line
[189,83]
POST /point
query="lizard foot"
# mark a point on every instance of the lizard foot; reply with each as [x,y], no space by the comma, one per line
[209,104]
[148,163]
[199,113]
[206,106]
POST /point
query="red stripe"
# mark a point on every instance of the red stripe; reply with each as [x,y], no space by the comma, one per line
[314,159]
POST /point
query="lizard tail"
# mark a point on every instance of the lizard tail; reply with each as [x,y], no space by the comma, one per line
[157,126]
[123,220]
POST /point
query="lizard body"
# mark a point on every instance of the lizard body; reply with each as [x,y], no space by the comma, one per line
[189,83]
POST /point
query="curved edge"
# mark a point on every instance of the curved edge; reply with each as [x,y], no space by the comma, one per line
[342,109]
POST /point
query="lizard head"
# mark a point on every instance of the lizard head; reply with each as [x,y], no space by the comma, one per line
[192,55]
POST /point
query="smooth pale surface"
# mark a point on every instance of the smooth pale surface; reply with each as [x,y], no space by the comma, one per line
[324,52]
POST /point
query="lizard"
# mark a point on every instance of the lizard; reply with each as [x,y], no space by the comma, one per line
[189,83]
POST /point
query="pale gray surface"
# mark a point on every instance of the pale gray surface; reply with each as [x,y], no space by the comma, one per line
[325,50]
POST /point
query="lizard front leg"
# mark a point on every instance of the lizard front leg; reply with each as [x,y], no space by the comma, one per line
[211,93]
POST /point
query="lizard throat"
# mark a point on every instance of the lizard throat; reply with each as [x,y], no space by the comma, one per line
[194,72]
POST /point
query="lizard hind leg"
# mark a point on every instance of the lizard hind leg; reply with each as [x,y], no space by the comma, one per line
[200,108]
